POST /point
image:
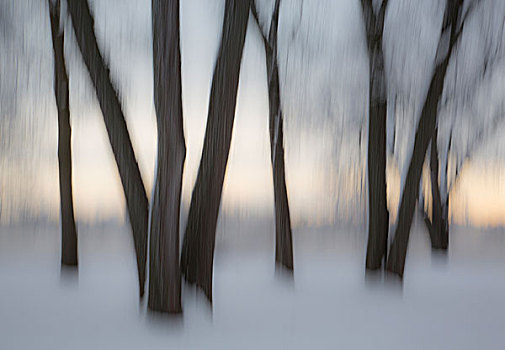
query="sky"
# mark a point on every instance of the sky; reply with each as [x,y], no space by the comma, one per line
[323,69]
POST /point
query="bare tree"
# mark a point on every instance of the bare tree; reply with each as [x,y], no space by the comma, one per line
[164,271]
[457,112]
[133,187]
[453,23]
[283,234]
[68,230]
[199,240]
[378,215]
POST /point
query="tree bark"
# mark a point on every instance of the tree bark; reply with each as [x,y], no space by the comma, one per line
[68,229]
[133,187]
[283,233]
[164,271]
[199,239]
[378,215]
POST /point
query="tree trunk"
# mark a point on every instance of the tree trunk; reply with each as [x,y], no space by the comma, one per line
[135,193]
[436,229]
[283,234]
[199,239]
[164,271]
[378,215]
[445,223]
[444,193]
[424,133]
[68,230]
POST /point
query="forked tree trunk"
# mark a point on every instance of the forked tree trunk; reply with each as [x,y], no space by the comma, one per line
[68,230]
[133,187]
[424,133]
[283,233]
[378,215]
[199,240]
[164,271]
[398,251]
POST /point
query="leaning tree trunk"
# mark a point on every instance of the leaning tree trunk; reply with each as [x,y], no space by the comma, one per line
[378,215]
[199,239]
[283,233]
[424,133]
[164,271]
[135,193]
[68,230]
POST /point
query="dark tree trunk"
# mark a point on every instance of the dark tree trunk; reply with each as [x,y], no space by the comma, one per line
[424,134]
[199,239]
[398,251]
[445,223]
[436,225]
[378,215]
[164,271]
[135,193]
[445,204]
[283,234]
[68,230]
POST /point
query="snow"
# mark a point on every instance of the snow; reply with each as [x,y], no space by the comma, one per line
[452,303]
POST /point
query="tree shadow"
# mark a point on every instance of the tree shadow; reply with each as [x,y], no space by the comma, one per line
[193,298]
[381,280]
[164,320]
[69,275]
[439,257]
[285,275]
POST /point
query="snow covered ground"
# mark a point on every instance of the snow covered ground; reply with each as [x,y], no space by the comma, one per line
[456,302]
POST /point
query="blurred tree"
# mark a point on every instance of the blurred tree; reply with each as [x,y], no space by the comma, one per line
[378,215]
[452,27]
[283,235]
[470,112]
[133,187]
[164,271]
[68,230]
[199,239]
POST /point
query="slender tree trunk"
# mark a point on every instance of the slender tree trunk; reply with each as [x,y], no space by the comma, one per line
[68,230]
[444,192]
[445,223]
[199,239]
[135,193]
[283,233]
[164,271]
[378,215]
[436,227]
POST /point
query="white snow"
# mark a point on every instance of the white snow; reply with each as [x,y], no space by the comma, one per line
[453,303]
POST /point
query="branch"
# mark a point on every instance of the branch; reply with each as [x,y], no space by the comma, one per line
[370,21]
[382,11]
[254,12]
[470,9]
